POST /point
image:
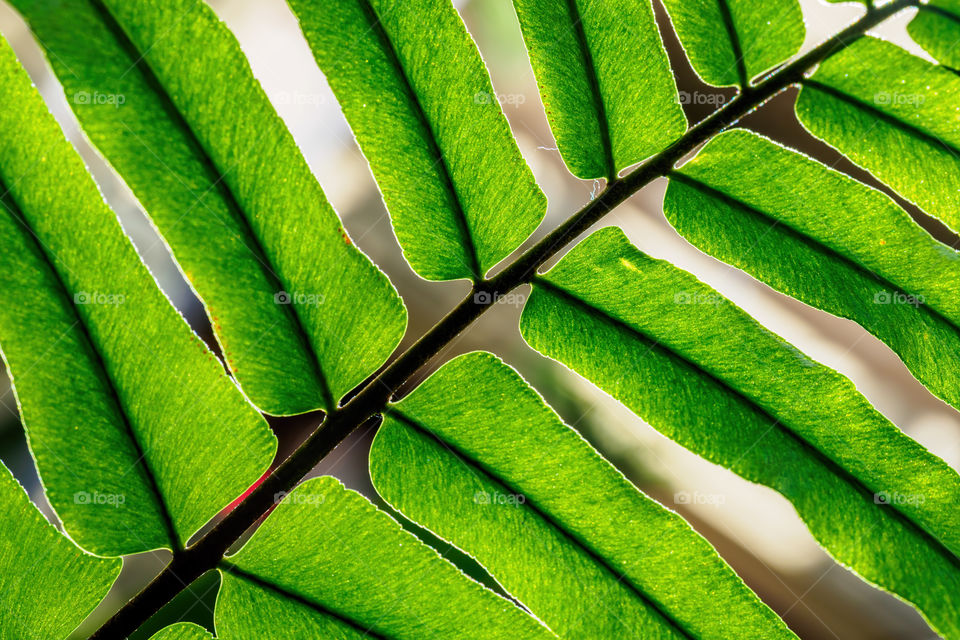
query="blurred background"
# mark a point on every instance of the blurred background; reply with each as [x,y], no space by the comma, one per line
[755,529]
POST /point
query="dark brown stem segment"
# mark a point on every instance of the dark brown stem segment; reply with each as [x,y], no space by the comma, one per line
[206,553]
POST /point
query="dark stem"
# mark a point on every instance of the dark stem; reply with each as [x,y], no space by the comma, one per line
[207,552]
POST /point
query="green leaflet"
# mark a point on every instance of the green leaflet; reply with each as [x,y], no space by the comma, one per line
[194,605]
[47,585]
[895,115]
[426,116]
[139,436]
[182,631]
[730,42]
[476,456]
[204,151]
[708,376]
[829,241]
[936,28]
[328,564]
[604,79]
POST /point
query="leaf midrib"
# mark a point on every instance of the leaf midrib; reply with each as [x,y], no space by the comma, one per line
[576,20]
[735,44]
[912,129]
[585,547]
[372,398]
[940,11]
[949,16]
[446,176]
[833,466]
[269,585]
[817,245]
[99,366]
[142,65]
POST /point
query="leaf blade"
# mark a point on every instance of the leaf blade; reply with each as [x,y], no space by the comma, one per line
[893,114]
[463,455]
[352,594]
[94,319]
[774,213]
[47,585]
[434,134]
[182,631]
[604,79]
[757,37]
[936,28]
[679,364]
[215,168]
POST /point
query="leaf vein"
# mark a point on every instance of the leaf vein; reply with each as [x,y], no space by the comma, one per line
[577,542]
[809,241]
[890,119]
[463,224]
[735,45]
[256,580]
[576,21]
[833,466]
[99,365]
[255,245]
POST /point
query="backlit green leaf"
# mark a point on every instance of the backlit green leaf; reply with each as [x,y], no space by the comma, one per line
[47,585]
[328,564]
[730,42]
[477,457]
[936,28]
[705,374]
[604,80]
[166,94]
[183,631]
[895,115]
[829,241]
[426,116]
[139,436]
